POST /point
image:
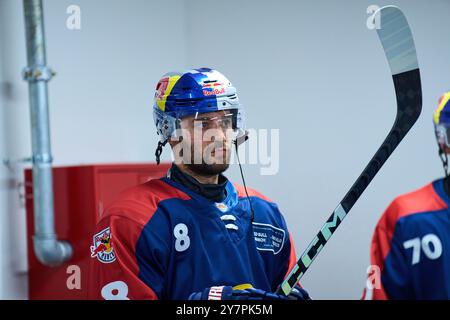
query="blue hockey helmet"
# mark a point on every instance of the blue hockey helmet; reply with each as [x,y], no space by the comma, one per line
[193,92]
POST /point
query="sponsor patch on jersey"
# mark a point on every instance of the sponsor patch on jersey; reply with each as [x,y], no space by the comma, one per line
[268,237]
[102,248]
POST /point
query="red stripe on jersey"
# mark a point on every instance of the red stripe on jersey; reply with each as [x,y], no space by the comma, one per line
[251,192]
[139,203]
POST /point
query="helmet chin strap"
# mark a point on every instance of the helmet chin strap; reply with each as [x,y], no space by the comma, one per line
[444,158]
[159,150]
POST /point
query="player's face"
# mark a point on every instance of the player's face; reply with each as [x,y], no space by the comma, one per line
[206,142]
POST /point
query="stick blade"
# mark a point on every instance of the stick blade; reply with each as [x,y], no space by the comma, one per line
[397,40]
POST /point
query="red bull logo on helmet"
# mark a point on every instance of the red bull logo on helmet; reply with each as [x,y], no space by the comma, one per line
[102,248]
[211,89]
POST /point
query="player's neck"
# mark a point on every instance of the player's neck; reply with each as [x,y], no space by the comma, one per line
[203,179]
[447,185]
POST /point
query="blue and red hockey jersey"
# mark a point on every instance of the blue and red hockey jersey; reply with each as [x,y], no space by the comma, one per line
[160,240]
[411,247]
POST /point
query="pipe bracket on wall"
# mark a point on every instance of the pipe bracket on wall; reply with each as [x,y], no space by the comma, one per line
[42,158]
[38,73]
[9,163]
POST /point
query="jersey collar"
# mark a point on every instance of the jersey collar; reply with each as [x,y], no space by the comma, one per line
[230,201]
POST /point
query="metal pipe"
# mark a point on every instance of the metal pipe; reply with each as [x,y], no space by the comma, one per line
[48,249]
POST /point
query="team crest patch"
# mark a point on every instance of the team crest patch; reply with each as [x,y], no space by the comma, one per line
[268,237]
[222,206]
[102,248]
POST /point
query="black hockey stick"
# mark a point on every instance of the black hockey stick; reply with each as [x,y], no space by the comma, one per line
[398,44]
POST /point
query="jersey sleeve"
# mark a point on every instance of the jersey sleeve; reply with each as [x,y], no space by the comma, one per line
[287,257]
[288,260]
[388,273]
[115,266]
[292,260]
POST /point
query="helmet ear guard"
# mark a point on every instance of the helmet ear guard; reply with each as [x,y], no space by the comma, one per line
[165,124]
[441,121]
[444,158]
[442,141]
[441,134]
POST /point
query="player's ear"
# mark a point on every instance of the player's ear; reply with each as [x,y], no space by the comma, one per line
[174,141]
[177,149]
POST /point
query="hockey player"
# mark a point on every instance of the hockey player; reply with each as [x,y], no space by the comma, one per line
[410,253]
[193,234]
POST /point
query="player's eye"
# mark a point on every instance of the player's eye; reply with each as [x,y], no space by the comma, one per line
[226,123]
[206,124]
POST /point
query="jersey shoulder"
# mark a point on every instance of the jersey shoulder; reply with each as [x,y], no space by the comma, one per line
[412,203]
[266,210]
[140,202]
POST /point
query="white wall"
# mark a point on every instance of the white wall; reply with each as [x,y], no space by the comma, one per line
[309,68]
[15,143]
